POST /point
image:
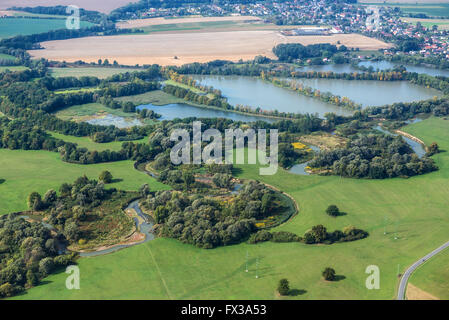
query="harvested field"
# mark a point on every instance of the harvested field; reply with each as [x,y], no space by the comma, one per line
[139,23]
[181,48]
[98,5]
[415,293]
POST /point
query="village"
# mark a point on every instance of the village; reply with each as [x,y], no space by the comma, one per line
[334,18]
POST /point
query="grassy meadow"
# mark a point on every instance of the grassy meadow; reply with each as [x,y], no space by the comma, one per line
[13,68]
[10,27]
[86,142]
[28,171]
[432,276]
[414,209]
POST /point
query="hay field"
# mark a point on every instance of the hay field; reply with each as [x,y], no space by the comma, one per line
[105,6]
[139,23]
[187,47]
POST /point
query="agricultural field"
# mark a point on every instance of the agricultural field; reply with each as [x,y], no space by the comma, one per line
[12,13]
[102,6]
[432,8]
[394,205]
[99,72]
[28,171]
[443,24]
[181,48]
[10,27]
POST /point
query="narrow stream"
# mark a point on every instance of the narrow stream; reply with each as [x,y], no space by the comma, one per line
[301,167]
[145,227]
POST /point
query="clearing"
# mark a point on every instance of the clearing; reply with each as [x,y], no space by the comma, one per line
[181,48]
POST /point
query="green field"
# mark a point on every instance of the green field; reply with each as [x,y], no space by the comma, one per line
[4,56]
[156,97]
[10,27]
[86,142]
[13,68]
[99,72]
[416,209]
[28,171]
[35,15]
[442,24]
[432,276]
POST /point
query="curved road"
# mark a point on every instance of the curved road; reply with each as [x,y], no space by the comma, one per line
[413,267]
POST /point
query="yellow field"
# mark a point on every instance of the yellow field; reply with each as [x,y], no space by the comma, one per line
[181,48]
[139,23]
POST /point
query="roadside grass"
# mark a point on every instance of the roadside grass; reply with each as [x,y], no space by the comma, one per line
[416,209]
[28,171]
[99,72]
[11,27]
[86,142]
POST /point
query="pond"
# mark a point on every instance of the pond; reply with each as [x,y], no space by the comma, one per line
[255,92]
[181,110]
[372,93]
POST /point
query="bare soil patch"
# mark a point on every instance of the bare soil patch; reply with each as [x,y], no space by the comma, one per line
[415,293]
[181,48]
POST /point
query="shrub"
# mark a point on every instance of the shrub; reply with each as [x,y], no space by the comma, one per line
[333,210]
[283,287]
[329,274]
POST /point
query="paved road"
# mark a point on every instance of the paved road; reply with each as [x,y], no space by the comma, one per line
[413,267]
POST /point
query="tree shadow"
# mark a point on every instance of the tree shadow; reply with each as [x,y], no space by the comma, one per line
[116,180]
[296,292]
[341,214]
[236,171]
[339,278]
[2,180]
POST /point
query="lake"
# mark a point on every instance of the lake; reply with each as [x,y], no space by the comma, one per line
[372,93]
[181,110]
[254,92]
